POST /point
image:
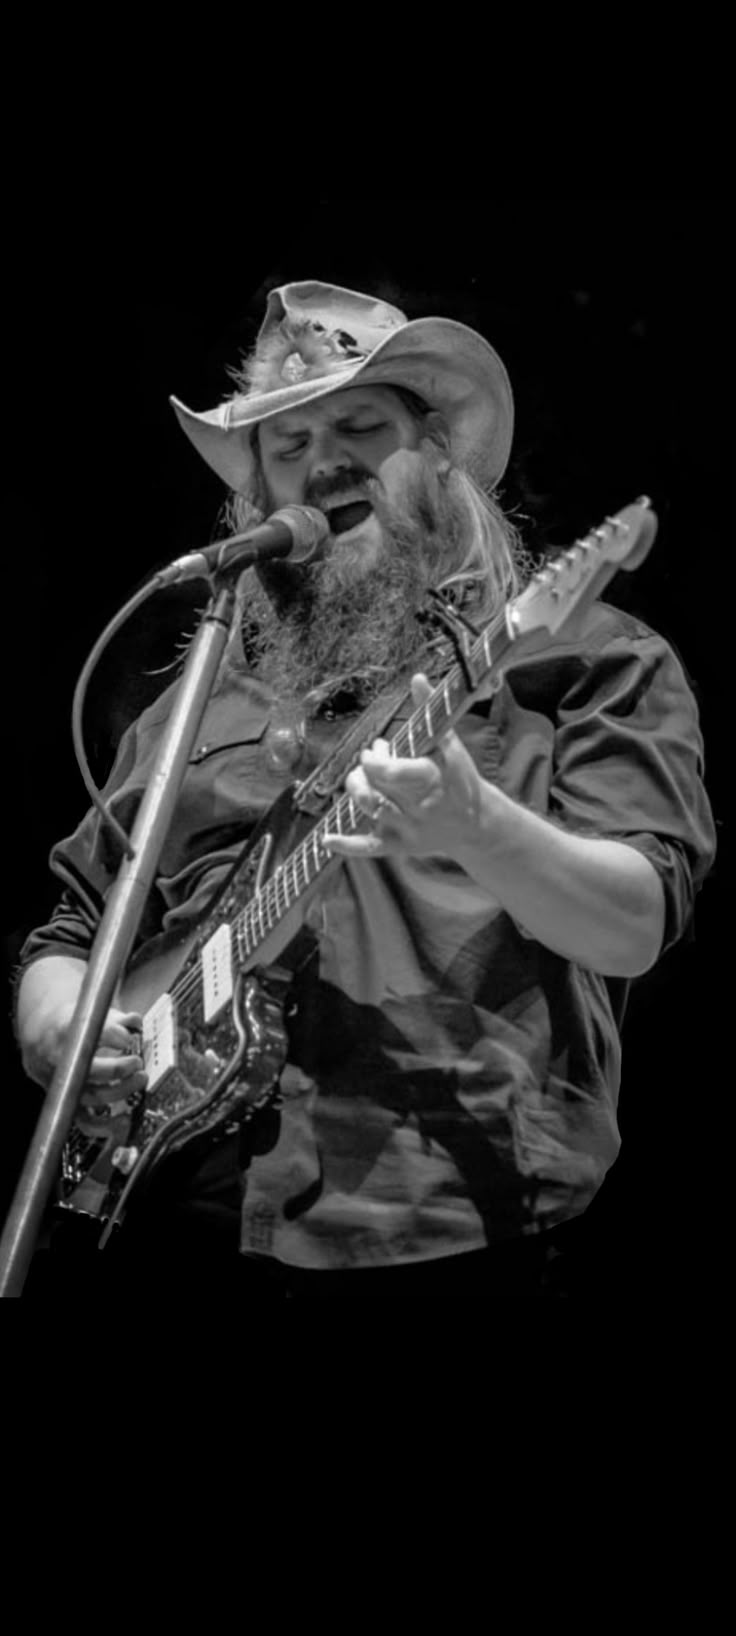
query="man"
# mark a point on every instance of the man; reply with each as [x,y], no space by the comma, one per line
[448,1107]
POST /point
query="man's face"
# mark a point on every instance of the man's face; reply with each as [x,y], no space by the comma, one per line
[324,454]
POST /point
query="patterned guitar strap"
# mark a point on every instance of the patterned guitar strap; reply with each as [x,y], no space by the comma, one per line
[312,795]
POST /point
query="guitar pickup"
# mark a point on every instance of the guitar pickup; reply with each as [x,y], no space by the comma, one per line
[159,1040]
[217,972]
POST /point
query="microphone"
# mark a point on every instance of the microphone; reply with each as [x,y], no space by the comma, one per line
[297,533]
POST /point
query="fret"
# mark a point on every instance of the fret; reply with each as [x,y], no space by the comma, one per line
[299,870]
[567,577]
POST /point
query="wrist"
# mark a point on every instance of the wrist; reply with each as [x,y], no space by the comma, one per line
[494,836]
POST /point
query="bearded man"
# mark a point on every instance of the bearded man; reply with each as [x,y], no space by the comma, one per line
[448,1106]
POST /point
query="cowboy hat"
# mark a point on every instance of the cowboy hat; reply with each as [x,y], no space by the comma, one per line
[317,338]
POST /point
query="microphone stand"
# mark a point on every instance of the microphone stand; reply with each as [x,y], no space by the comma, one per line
[116,932]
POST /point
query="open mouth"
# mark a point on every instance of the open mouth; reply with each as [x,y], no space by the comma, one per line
[343,518]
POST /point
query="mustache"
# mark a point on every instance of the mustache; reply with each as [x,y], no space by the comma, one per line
[345,481]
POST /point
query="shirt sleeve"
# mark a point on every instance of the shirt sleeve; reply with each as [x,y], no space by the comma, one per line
[628,764]
[218,803]
[86,863]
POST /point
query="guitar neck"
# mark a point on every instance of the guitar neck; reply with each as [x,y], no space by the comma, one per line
[417,736]
[570,580]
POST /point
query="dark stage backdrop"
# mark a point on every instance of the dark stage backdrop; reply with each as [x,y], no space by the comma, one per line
[613,319]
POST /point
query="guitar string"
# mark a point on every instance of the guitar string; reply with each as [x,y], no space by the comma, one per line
[267,901]
[190,983]
[258,907]
[346,814]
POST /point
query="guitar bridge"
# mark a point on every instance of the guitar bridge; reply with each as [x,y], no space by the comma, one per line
[79,1155]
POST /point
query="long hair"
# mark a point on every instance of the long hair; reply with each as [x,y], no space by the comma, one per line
[491,564]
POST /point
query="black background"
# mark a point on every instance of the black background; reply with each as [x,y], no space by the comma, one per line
[613,316]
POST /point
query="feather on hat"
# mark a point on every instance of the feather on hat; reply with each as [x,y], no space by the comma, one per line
[317,338]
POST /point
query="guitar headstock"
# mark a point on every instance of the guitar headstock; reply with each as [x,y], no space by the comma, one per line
[574,578]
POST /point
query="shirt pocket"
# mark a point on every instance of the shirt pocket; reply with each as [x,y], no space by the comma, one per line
[224,792]
[230,725]
[189,892]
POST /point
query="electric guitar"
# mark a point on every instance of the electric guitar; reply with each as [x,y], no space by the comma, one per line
[212,997]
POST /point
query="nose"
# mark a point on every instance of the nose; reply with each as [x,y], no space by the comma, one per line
[329,454]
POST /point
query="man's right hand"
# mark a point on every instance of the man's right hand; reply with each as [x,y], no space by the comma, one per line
[47,999]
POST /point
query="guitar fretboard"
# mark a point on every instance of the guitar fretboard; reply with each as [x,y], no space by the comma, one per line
[415,737]
[546,603]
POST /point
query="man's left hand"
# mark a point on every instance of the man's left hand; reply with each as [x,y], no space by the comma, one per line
[418,806]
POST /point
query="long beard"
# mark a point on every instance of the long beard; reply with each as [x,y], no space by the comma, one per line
[311,633]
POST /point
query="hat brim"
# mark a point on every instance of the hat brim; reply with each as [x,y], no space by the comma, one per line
[452,367]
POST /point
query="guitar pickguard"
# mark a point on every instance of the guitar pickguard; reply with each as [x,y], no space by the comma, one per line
[222,1070]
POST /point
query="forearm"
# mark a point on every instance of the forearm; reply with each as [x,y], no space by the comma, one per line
[595,901]
[47,987]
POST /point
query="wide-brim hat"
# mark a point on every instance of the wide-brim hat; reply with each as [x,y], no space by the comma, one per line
[317,338]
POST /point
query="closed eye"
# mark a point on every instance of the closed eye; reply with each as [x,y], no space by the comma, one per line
[292,454]
[297,449]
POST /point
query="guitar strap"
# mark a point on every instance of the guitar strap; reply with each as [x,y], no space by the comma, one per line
[313,793]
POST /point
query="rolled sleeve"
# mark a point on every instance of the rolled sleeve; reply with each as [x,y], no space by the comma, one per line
[223,794]
[86,863]
[628,765]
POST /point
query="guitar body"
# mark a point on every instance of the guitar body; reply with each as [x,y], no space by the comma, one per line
[207,1074]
